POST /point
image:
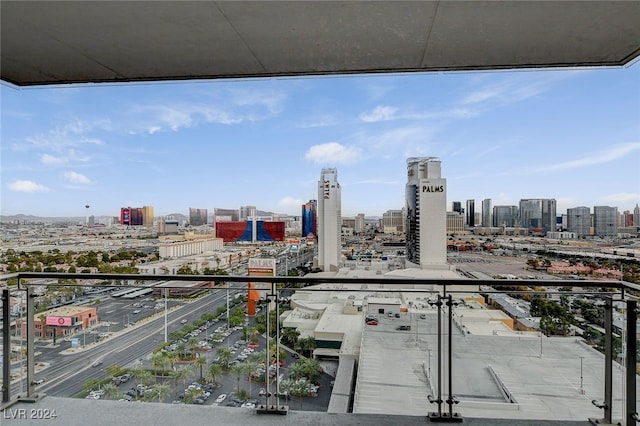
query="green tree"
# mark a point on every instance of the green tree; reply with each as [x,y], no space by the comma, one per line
[214,370]
[237,371]
[92,383]
[200,362]
[306,345]
[162,391]
[111,391]
[113,370]
[160,361]
[184,373]
[248,368]
[137,373]
[290,336]
[224,356]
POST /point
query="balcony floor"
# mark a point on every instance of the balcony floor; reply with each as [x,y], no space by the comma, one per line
[80,412]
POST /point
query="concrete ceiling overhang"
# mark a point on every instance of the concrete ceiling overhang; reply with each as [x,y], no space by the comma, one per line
[55,42]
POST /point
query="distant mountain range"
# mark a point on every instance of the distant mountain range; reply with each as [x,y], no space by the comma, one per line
[82,219]
[32,218]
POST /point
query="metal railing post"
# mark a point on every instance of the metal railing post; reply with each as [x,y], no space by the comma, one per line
[269,407]
[631,358]
[30,341]
[608,359]
[452,399]
[608,365]
[6,345]
[434,416]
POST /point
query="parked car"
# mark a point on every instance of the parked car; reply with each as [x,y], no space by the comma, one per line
[372,322]
[221,398]
[404,327]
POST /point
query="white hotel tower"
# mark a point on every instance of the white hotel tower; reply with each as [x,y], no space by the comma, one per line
[329,221]
[426,223]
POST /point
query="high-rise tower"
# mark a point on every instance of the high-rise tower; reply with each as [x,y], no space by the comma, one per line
[486,213]
[471,213]
[538,215]
[329,220]
[197,217]
[579,221]
[605,220]
[426,205]
[309,218]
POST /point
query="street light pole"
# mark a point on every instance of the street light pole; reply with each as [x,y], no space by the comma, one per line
[166,338]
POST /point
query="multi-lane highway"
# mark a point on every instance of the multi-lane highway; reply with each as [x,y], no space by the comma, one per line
[66,372]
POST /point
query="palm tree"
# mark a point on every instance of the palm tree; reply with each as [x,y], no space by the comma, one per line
[173,357]
[290,336]
[111,391]
[182,350]
[215,370]
[297,370]
[248,367]
[137,371]
[183,373]
[146,377]
[175,376]
[224,355]
[306,344]
[159,360]
[161,391]
[113,370]
[237,371]
[200,362]
[193,344]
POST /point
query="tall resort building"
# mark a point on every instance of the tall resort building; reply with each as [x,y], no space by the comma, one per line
[426,205]
[147,216]
[197,217]
[579,221]
[309,228]
[329,220]
[471,213]
[486,213]
[506,216]
[538,215]
[605,220]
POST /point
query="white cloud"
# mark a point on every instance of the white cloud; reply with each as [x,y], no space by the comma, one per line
[320,121]
[50,159]
[272,100]
[74,177]
[27,186]
[515,88]
[380,113]
[613,153]
[332,152]
[71,134]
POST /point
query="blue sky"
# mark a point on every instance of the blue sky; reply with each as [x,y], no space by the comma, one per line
[572,135]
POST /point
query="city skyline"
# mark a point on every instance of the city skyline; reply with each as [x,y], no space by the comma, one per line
[572,135]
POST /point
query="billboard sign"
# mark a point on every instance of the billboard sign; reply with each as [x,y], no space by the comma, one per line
[59,321]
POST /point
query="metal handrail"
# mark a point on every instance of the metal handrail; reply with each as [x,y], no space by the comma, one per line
[621,289]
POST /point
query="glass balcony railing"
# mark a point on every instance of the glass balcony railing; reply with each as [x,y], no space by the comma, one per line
[548,350]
